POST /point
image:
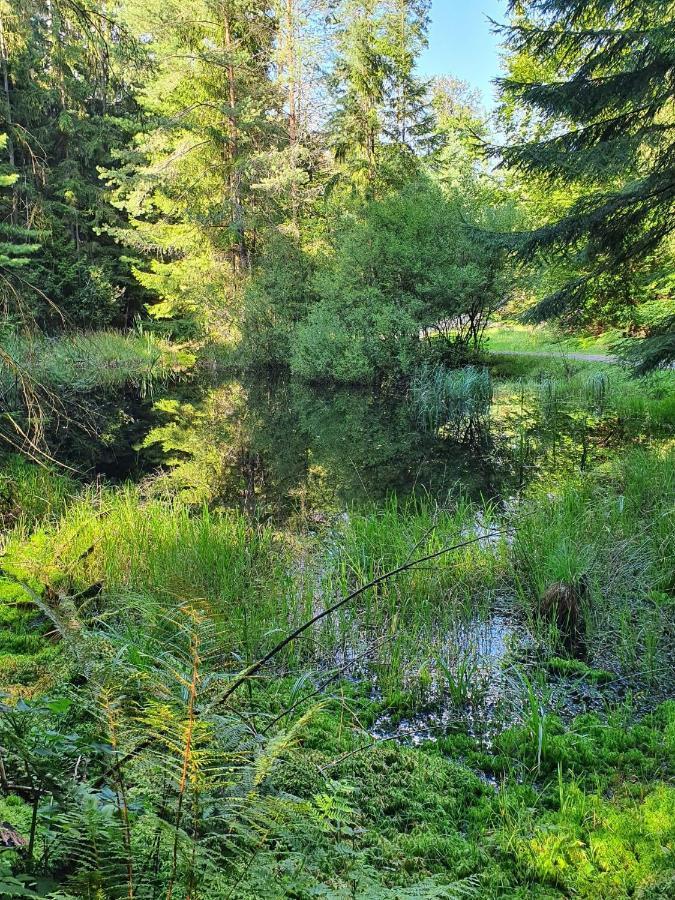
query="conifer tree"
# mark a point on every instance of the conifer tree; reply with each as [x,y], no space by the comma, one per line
[17,245]
[409,121]
[383,124]
[594,84]
[64,103]
[359,87]
[190,186]
[297,164]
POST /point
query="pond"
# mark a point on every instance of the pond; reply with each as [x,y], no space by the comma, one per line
[280,448]
[325,475]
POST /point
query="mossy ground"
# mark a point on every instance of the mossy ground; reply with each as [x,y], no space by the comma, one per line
[596,819]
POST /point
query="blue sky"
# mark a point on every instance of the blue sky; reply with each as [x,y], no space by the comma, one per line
[462,44]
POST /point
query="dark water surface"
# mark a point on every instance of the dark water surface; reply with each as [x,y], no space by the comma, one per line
[278,447]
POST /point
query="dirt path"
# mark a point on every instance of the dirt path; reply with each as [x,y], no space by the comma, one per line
[552,354]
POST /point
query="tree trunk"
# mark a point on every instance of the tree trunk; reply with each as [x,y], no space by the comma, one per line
[4,66]
[292,92]
[240,251]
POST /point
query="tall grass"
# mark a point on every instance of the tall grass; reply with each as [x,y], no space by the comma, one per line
[612,391]
[513,337]
[151,557]
[619,529]
[597,390]
[30,493]
[148,781]
[439,394]
[256,581]
[83,361]
[257,584]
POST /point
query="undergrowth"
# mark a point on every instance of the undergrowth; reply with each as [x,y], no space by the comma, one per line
[154,768]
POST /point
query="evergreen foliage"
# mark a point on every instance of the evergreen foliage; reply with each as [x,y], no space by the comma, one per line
[297,655]
[162,156]
[16,244]
[66,71]
[596,86]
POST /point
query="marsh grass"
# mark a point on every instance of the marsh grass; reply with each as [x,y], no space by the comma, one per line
[191,595]
[618,529]
[82,362]
[30,493]
[256,583]
[599,390]
[592,846]
[439,394]
[462,675]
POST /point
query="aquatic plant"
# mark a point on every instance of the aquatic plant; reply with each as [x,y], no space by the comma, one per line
[439,394]
[462,675]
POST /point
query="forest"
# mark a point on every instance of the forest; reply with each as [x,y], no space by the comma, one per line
[337,452]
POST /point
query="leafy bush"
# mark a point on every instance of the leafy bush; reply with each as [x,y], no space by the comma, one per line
[405,265]
[344,343]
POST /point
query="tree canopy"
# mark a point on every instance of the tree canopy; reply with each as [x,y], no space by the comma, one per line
[591,92]
[221,169]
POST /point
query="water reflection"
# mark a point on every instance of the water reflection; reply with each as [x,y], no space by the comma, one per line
[280,447]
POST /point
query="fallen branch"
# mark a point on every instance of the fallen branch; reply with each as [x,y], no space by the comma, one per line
[256,666]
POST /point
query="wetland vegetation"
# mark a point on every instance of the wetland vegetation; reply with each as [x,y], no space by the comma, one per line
[324,572]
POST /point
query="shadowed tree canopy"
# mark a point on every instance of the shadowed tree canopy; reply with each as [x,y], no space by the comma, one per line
[594,88]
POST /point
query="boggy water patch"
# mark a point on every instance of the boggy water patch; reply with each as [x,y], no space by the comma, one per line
[490,673]
[284,449]
[465,684]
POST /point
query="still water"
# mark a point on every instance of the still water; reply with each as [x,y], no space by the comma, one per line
[281,448]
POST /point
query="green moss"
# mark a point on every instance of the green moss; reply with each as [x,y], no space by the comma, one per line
[576,667]
[601,849]
[415,813]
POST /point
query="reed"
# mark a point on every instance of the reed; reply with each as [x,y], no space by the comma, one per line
[439,395]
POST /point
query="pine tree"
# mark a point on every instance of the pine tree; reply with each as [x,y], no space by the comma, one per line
[191,186]
[17,245]
[594,83]
[359,87]
[65,102]
[409,120]
[297,165]
[463,125]
[384,124]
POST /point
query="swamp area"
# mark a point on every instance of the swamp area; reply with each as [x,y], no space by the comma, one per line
[337,449]
[434,736]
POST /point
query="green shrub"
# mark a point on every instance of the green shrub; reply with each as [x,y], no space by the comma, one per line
[401,266]
[353,342]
